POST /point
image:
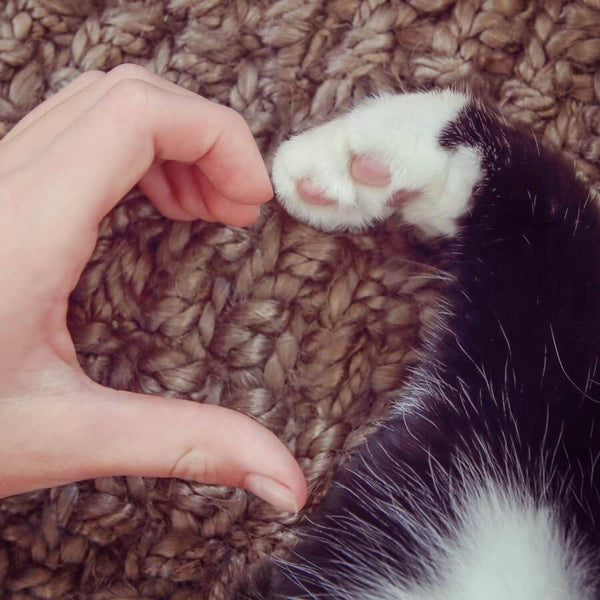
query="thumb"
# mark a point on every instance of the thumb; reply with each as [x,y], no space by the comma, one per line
[103,432]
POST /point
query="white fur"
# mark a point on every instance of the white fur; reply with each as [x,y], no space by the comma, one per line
[505,548]
[402,132]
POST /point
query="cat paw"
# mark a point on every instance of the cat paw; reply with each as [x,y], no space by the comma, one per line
[381,157]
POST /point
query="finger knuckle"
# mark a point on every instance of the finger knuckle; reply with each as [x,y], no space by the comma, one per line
[128,71]
[235,118]
[89,77]
[129,96]
[195,464]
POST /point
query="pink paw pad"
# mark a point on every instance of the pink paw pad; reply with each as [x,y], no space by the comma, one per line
[370,171]
[311,193]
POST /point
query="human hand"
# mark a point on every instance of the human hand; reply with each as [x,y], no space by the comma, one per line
[62,168]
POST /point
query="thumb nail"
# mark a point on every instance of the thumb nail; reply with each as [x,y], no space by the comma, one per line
[272,491]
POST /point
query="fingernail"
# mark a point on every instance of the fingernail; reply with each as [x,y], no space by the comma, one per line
[370,171]
[272,491]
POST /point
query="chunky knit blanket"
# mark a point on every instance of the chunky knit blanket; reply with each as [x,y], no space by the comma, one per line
[311,334]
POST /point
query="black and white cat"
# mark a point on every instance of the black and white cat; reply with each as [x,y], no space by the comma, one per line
[484,483]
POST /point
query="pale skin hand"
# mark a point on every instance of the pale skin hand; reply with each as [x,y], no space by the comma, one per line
[62,168]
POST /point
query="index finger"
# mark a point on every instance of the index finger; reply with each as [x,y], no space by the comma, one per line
[111,146]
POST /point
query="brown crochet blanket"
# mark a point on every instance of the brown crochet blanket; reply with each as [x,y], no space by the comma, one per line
[308,333]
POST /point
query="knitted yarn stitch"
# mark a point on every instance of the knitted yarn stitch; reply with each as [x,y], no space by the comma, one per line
[309,333]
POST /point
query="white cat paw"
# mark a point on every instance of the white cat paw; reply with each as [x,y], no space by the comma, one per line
[381,157]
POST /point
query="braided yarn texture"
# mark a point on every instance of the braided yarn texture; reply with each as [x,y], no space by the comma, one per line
[309,333]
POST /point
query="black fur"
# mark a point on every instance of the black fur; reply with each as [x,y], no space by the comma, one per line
[508,383]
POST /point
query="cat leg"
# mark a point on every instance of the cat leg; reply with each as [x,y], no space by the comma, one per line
[487,486]
[431,186]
